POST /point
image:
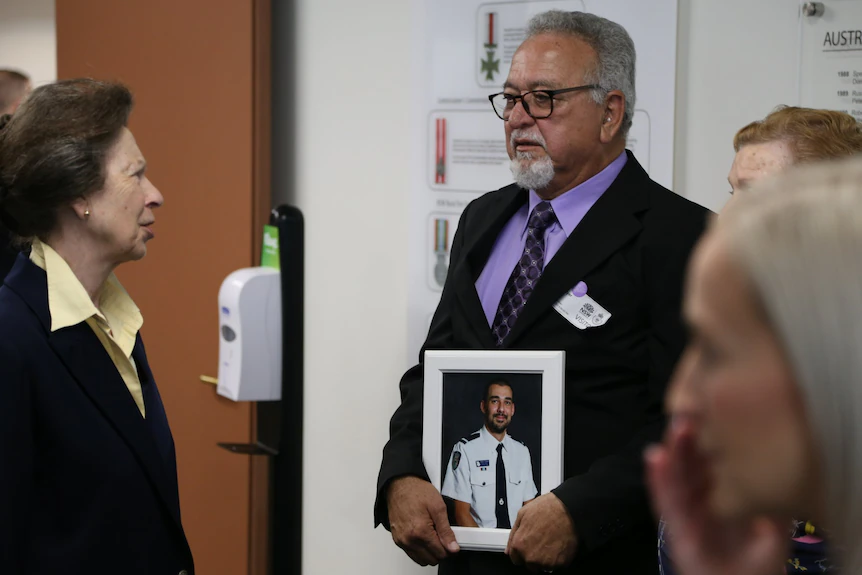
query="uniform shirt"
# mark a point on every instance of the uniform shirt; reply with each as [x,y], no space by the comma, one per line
[116,324]
[471,475]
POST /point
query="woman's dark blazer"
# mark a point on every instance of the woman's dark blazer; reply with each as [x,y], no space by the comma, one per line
[86,484]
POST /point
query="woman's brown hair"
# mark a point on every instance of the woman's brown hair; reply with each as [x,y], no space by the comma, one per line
[52,150]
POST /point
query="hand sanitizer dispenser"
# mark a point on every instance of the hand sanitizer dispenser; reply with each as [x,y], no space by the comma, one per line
[249,366]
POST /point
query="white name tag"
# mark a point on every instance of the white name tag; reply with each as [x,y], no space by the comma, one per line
[582,311]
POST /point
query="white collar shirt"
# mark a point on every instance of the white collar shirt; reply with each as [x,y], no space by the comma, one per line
[471,475]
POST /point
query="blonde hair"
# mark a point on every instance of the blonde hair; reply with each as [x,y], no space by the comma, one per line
[811,134]
[798,238]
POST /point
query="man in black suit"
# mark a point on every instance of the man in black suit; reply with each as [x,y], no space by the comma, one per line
[583,253]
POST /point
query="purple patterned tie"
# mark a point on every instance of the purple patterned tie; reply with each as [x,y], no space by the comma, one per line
[526,274]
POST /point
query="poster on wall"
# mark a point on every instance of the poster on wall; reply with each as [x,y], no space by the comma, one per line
[830,56]
[462,51]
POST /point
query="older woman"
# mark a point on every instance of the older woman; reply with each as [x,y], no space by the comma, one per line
[786,137]
[767,401]
[88,480]
[790,136]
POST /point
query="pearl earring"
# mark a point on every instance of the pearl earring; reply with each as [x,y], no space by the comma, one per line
[87,213]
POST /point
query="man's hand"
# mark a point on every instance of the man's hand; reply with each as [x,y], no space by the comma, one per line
[543,537]
[418,521]
[700,542]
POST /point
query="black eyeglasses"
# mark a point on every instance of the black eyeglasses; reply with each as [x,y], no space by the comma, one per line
[539,104]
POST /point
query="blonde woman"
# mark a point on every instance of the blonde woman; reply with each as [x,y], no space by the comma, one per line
[767,401]
[786,137]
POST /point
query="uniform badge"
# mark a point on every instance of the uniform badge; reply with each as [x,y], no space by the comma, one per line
[456,459]
[483,463]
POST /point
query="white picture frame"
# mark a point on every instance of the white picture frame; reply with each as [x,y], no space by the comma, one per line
[532,369]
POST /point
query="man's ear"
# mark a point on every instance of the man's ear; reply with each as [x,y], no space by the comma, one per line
[482,405]
[613,116]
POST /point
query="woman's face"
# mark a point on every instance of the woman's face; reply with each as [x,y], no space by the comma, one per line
[121,214]
[736,388]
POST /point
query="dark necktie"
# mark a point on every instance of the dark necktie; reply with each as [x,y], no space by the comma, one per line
[526,274]
[502,504]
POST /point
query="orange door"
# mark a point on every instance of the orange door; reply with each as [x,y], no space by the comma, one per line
[197,69]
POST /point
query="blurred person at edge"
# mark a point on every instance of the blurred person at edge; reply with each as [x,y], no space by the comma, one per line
[14,86]
[766,401]
[88,477]
[786,137]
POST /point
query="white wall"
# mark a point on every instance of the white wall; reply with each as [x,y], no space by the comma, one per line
[347,169]
[737,60]
[28,39]
[351,181]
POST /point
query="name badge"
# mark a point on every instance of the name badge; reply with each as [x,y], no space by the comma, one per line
[581,310]
[483,463]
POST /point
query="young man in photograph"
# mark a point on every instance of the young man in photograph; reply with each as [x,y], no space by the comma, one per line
[490,474]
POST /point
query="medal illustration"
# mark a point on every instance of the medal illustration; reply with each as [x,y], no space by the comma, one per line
[441,249]
[440,152]
[490,64]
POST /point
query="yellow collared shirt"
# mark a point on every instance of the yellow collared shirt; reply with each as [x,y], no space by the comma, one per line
[116,324]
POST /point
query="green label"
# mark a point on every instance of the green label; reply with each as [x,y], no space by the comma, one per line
[269,256]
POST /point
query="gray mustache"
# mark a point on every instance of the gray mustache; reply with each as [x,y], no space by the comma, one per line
[531,137]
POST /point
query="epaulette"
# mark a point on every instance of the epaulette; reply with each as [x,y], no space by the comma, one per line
[472,437]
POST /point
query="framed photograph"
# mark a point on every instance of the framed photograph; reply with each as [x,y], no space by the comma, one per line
[493,436]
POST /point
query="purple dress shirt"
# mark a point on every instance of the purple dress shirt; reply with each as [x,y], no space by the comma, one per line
[570,209]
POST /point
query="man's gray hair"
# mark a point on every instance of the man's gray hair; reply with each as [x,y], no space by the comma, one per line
[615,52]
[798,238]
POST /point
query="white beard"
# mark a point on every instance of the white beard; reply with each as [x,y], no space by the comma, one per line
[532,174]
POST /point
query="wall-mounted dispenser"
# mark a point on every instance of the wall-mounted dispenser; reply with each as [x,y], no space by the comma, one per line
[269,317]
[250,351]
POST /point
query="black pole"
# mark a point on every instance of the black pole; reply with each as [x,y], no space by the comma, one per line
[287,464]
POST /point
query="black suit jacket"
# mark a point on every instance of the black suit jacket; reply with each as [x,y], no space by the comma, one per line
[86,484]
[631,250]
[7,253]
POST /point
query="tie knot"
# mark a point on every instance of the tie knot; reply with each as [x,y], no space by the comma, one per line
[542,217]
[499,448]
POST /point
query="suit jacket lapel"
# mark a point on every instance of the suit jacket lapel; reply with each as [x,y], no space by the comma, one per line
[88,362]
[30,282]
[90,365]
[157,422]
[609,225]
[476,253]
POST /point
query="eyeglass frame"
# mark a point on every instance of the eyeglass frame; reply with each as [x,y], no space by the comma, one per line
[550,93]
